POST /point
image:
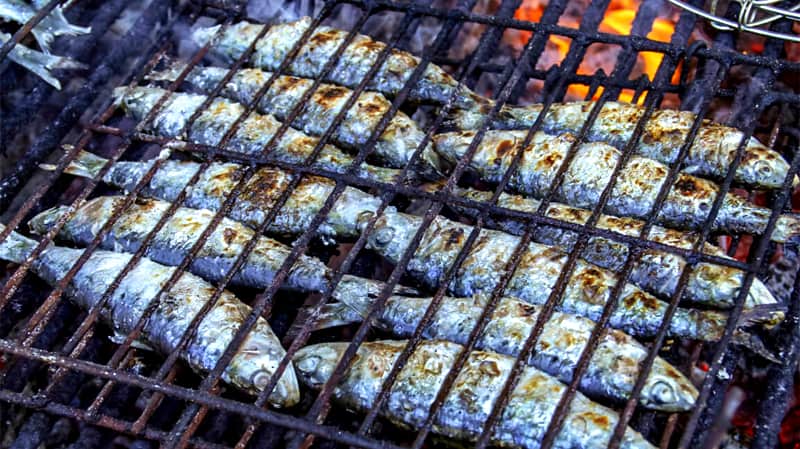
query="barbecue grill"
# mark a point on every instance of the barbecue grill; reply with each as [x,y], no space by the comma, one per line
[58,366]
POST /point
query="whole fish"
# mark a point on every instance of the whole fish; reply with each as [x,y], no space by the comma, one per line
[640,314]
[182,230]
[656,271]
[252,204]
[612,370]
[41,64]
[466,408]
[711,154]
[394,147]
[635,190]
[231,42]
[251,137]
[250,368]
[588,288]
[52,25]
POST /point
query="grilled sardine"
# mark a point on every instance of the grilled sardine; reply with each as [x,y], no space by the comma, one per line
[182,230]
[612,370]
[466,408]
[635,189]
[435,85]
[252,204]
[394,146]
[250,138]
[587,291]
[711,154]
[252,365]
[656,271]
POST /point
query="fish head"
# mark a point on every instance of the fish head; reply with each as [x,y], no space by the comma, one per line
[667,389]
[137,100]
[762,166]
[392,234]
[315,364]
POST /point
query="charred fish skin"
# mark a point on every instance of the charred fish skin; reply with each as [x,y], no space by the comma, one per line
[588,289]
[252,204]
[635,190]
[182,230]
[656,271]
[469,402]
[711,153]
[435,85]
[251,138]
[252,365]
[394,147]
[611,373]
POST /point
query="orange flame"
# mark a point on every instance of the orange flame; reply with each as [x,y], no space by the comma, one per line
[618,20]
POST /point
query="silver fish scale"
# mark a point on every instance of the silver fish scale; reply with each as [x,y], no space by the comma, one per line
[586,293]
[687,205]
[251,365]
[394,146]
[655,271]
[249,139]
[434,85]
[252,204]
[711,154]
[468,404]
[612,370]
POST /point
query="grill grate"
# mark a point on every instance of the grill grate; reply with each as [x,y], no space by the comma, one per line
[81,355]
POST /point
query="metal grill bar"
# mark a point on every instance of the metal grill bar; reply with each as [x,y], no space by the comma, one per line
[192,417]
[24,31]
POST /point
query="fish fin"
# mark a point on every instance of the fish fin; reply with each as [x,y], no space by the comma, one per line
[119,338]
[85,165]
[754,344]
[169,73]
[787,229]
[16,247]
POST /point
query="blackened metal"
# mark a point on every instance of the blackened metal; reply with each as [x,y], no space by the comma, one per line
[780,378]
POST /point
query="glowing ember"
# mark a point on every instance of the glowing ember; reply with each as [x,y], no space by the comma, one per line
[618,20]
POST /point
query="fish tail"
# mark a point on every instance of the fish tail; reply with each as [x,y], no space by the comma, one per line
[44,221]
[755,345]
[61,25]
[202,36]
[85,165]
[41,64]
[787,229]
[763,316]
[16,247]
[170,73]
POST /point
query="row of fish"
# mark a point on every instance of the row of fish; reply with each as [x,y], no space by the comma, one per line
[614,365]
[54,24]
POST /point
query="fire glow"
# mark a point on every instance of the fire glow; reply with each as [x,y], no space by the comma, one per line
[618,19]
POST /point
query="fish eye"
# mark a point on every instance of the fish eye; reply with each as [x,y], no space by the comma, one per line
[383,236]
[663,392]
[308,364]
